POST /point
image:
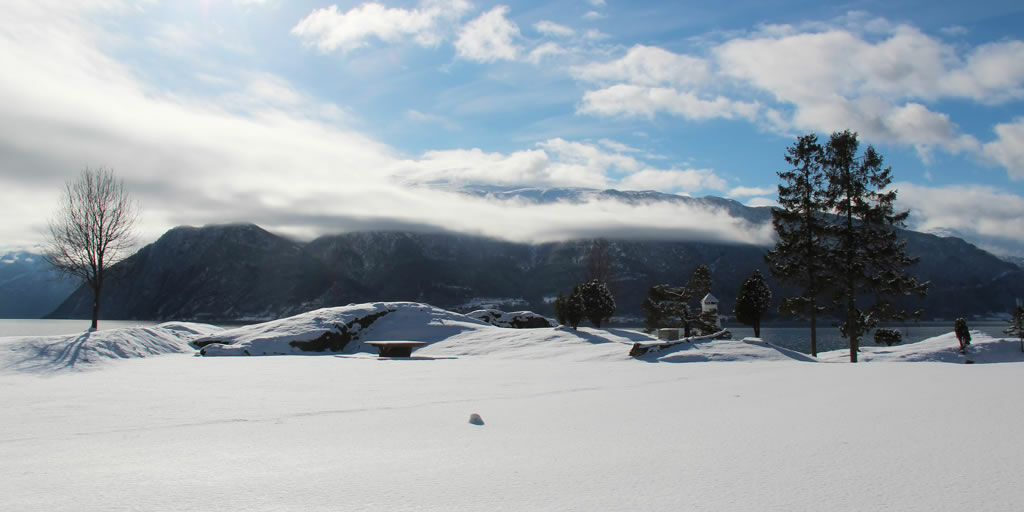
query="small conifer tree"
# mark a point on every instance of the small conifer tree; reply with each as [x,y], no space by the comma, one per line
[1016,327]
[752,301]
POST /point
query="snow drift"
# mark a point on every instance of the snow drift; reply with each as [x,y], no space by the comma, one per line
[49,353]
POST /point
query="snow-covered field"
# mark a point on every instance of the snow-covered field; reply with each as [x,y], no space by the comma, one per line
[570,422]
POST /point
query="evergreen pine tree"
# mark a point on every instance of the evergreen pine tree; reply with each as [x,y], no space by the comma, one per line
[569,309]
[752,301]
[597,300]
[1016,327]
[868,258]
[799,256]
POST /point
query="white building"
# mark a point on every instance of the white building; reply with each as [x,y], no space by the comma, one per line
[709,304]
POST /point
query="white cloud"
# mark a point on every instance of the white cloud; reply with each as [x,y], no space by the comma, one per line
[271,158]
[593,15]
[751,191]
[870,85]
[547,49]
[1008,148]
[987,216]
[489,38]
[679,181]
[550,28]
[647,65]
[635,100]
[330,29]
[597,3]
[617,146]
[757,202]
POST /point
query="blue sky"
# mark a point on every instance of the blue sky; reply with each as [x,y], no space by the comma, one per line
[320,117]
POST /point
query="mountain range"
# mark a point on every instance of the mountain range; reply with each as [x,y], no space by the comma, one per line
[243,272]
[29,288]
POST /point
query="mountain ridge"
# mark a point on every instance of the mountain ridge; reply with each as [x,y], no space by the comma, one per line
[243,272]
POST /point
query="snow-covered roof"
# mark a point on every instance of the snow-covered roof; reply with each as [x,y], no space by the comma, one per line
[709,299]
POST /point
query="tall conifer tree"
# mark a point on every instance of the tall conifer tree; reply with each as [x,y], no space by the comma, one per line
[869,258]
[800,254]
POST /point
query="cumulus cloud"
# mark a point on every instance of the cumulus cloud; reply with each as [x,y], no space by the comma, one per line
[1008,148]
[489,38]
[329,29]
[869,80]
[987,216]
[866,74]
[637,100]
[647,65]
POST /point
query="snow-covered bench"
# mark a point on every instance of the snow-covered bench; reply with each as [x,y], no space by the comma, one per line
[396,348]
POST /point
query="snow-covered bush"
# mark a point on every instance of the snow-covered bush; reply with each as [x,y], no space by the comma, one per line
[889,337]
[598,303]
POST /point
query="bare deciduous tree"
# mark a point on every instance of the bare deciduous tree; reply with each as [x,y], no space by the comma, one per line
[92,229]
[599,261]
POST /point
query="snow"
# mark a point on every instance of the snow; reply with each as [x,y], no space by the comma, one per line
[90,348]
[945,349]
[569,422]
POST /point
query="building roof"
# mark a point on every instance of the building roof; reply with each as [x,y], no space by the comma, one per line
[709,298]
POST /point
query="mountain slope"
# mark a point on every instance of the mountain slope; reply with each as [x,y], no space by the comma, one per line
[29,288]
[243,272]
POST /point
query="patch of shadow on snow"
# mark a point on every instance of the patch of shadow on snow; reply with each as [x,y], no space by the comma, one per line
[45,354]
[747,349]
[591,337]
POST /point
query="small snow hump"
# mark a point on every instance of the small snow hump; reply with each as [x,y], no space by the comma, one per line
[475,419]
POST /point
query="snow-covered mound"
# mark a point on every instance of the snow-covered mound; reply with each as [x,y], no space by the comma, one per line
[347,330]
[747,349]
[512,320]
[944,349]
[70,351]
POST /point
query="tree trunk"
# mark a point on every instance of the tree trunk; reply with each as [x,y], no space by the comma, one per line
[757,327]
[849,333]
[814,333]
[95,307]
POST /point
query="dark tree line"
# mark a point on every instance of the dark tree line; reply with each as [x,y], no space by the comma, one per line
[838,239]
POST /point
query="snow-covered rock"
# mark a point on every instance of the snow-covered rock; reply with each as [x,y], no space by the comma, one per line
[512,320]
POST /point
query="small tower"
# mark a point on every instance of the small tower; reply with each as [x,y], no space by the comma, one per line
[709,304]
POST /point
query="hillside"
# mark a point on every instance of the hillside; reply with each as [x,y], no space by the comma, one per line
[236,272]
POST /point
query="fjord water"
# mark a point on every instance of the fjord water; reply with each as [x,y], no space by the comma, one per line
[39,327]
[799,337]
